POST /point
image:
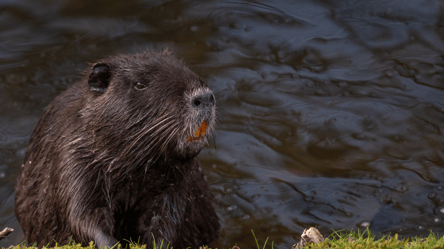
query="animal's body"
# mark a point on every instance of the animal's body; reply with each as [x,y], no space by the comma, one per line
[113,158]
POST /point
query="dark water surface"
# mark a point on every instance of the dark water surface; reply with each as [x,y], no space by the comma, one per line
[331,112]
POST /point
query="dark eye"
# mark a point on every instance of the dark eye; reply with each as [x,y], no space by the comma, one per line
[140,86]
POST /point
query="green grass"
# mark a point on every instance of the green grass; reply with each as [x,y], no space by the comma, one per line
[338,239]
[360,240]
[363,240]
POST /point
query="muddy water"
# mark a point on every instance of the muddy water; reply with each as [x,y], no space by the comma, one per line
[331,113]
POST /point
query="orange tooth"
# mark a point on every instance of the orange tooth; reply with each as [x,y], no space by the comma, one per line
[199,132]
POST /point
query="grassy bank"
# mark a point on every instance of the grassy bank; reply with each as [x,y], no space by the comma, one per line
[351,239]
[339,239]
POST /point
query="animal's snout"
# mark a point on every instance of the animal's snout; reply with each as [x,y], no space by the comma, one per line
[202,100]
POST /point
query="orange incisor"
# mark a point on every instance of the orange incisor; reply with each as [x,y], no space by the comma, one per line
[199,132]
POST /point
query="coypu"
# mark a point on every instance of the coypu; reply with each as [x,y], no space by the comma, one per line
[113,158]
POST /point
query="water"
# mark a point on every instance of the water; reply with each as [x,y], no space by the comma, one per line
[331,112]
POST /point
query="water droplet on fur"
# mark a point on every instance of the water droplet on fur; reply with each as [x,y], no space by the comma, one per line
[2,174]
[231,208]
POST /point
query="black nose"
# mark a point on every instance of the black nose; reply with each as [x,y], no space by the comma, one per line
[204,99]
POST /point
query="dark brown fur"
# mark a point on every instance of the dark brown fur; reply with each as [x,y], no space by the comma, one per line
[109,162]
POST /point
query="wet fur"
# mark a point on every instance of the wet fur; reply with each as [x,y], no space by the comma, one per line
[112,163]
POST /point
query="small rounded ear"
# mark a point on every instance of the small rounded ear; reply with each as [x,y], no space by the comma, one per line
[99,78]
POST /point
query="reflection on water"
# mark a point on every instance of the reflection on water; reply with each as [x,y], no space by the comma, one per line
[331,112]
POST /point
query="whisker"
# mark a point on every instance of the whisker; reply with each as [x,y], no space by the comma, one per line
[159,140]
[172,134]
[145,132]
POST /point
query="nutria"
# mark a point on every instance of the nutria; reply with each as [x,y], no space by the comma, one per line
[113,158]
